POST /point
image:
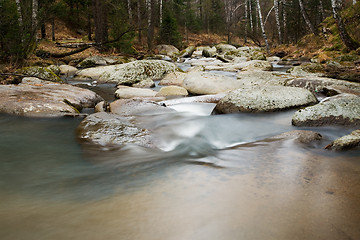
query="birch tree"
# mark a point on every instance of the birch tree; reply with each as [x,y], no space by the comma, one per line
[306,18]
[150,31]
[345,37]
[34,17]
[277,18]
[262,26]
[20,19]
[283,3]
[129,10]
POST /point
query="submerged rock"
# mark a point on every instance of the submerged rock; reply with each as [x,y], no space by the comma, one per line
[301,136]
[343,109]
[346,142]
[265,99]
[38,98]
[106,129]
[209,83]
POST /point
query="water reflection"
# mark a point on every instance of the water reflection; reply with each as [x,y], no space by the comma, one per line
[215,178]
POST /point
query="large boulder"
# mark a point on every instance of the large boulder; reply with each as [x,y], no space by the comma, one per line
[93,73]
[343,109]
[222,48]
[131,92]
[264,99]
[137,71]
[37,98]
[168,50]
[258,65]
[106,129]
[209,83]
[349,141]
[44,73]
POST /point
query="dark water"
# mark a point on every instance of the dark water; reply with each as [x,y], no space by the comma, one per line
[214,177]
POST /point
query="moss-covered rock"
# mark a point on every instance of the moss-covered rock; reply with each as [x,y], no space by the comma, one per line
[44,73]
[307,69]
[134,72]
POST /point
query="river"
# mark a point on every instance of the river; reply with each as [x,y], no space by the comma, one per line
[214,177]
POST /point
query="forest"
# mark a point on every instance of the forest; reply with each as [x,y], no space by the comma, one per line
[120,25]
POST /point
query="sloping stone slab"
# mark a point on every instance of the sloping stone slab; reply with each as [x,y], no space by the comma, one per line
[38,98]
[343,109]
[346,142]
[265,99]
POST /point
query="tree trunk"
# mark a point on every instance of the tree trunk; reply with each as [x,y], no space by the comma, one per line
[277,18]
[139,19]
[354,2]
[53,29]
[34,18]
[89,26]
[20,17]
[161,11]
[306,18]
[283,2]
[43,31]
[129,10]
[262,26]
[150,30]
[246,20]
[100,15]
[345,37]
[251,19]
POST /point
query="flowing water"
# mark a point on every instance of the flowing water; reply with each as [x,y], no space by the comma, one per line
[213,177]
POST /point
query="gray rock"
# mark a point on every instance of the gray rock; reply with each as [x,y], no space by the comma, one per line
[125,92]
[44,73]
[343,109]
[258,65]
[106,129]
[349,141]
[262,78]
[321,84]
[223,48]
[187,52]
[67,70]
[174,78]
[168,50]
[131,107]
[209,83]
[38,98]
[264,99]
[169,91]
[97,61]
[307,69]
[134,72]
